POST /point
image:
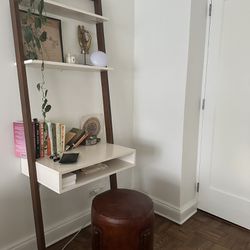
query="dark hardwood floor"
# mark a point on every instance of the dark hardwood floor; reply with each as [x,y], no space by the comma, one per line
[202,231]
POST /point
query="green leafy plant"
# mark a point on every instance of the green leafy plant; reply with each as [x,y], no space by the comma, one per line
[34,37]
[46,107]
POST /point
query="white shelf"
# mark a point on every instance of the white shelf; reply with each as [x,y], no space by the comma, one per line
[50,173]
[114,166]
[64,66]
[71,12]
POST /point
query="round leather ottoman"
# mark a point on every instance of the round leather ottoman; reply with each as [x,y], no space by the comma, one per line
[122,219]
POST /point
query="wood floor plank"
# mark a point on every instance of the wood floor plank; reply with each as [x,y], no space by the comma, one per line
[201,232]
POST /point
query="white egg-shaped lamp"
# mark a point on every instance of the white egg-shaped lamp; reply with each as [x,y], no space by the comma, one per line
[99,58]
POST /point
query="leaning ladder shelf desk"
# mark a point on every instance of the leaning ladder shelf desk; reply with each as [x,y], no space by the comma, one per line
[42,171]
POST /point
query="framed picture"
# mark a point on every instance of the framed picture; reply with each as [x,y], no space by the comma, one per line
[52,48]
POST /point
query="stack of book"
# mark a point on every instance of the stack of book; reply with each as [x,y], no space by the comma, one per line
[68,180]
[55,138]
[49,138]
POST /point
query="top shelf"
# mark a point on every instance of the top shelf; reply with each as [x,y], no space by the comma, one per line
[71,12]
[65,66]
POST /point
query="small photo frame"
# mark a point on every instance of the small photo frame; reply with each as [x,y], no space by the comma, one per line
[52,48]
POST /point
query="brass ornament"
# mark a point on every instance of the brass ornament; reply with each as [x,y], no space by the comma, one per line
[85,39]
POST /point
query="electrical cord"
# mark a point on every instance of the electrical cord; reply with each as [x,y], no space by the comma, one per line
[71,239]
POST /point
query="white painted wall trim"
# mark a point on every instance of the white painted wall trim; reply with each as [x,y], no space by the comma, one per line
[188,210]
[203,95]
[72,224]
[54,233]
[173,213]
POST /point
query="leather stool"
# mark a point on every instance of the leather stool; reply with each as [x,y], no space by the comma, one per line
[122,220]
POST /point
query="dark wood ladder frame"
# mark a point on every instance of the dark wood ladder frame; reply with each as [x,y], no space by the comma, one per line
[26,112]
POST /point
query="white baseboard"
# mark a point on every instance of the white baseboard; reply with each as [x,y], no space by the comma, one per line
[188,210]
[72,224]
[173,213]
[56,232]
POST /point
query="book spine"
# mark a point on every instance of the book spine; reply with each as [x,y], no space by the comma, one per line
[49,142]
[34,136]
[45,135]
[63,132]
[42,140]
[48,147]
[19,140]
[53,138]
[37,138]
[58,138]
[84,137]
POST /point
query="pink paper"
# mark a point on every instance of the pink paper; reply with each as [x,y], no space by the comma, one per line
[19,140]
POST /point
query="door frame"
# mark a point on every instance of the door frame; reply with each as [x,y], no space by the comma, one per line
[203,94]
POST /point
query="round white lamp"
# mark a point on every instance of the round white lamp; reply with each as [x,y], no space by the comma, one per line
[99,58]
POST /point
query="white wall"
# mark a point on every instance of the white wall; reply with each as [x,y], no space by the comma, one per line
[72,94]
[169,52]
[161,51]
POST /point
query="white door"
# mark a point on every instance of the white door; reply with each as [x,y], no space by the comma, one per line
[225,143]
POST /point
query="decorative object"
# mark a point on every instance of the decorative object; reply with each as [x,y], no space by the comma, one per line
[92,140]
[85,39]
[73,59]
[99,58]
[92,126]
[46,33]
[70,59]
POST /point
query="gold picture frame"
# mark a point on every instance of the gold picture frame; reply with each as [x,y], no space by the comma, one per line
[52,48]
